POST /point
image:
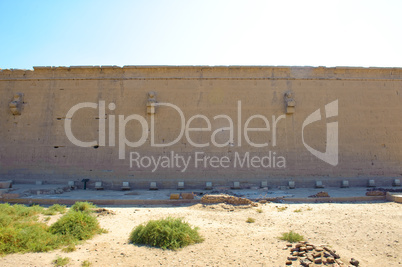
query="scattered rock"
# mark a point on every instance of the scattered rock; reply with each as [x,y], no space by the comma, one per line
[375,193]
[321,194]
[318,261]
[392,190]
[354,262]
[213,199]
[103,211]
[310,255]
[187,195]
[316,254]
[305,262]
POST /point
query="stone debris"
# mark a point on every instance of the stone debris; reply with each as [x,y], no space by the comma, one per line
[174,196]
[187,195]
[320,194]
[103,212]
[309,255]
[392,190]
[214,199]
[375,193]
[354,262]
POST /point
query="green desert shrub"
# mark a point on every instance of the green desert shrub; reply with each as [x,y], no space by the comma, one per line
[250,220]
[83,206]
[20,212]
[86,263]
[76,224]
[69,248]
[291,237]
[61,261]
[20,230]
[27,237]
[54,209]
[169,233]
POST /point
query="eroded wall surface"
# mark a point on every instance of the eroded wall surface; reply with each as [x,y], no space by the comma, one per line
[363,112]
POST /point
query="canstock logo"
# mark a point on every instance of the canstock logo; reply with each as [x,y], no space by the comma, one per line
[330,155]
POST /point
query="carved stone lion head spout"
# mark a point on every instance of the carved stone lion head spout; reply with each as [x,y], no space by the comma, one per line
[16,104]
[290,102]
[151,102]
[151,96]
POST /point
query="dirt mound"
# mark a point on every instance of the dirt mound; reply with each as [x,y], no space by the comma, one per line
[221,207]
[103,212]
[320,194]
[375,193]
[214,199]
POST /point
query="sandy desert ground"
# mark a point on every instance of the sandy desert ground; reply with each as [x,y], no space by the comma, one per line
[370,233]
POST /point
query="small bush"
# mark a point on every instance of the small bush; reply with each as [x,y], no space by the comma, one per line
[69,248]
[49,212]
[86,263]
[291,237]
[20,230]
[61,261]
[78,225]
[83,206]
[281,208]
[170,233]
[25,237]
[259,210]
[20,212]
[250,220]
[298,210]
[54,209]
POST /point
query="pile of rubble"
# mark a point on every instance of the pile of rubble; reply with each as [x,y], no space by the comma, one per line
[375,193]
[308,255]
[214,199]
[320,194]
[382,191]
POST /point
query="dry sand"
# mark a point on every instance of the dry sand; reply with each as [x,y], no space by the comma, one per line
[371,233]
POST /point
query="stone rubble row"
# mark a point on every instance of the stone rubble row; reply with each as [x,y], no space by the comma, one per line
[309,255]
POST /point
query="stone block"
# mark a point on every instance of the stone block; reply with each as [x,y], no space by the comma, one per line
[125,186]
[345,184]
[39,182]
[236,185]
[264,184]
[3,191]
[174,196]
[6,184]
[208,185]
[371,183]
[98,186]
[396,182]
[180,185]
[152,186]
[11,195]
[318,184]
[292,185]
[187,195]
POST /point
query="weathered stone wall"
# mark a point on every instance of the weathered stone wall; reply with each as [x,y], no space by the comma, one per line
[34,145]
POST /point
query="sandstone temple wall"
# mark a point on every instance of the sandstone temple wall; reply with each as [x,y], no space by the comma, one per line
[365,111]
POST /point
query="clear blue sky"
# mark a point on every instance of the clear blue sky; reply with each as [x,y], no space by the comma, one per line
[191,32]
